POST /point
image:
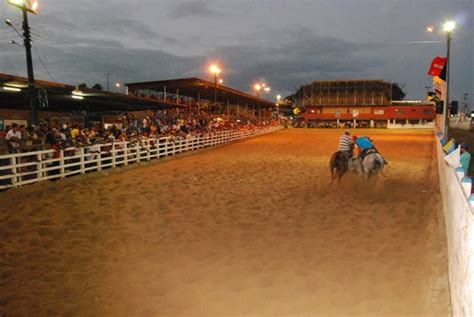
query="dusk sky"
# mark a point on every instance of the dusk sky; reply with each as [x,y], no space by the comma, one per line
[287,43]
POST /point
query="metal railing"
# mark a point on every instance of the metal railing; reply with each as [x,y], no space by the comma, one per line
[26,168]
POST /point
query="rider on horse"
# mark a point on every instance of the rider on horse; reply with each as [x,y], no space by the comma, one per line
[366,147]
[346,145]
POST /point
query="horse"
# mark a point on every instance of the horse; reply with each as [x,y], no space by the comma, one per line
[370,166]
[338,165]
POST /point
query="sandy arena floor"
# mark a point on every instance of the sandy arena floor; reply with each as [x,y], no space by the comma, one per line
[249,229]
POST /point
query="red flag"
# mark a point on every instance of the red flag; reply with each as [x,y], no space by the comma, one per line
[437,66]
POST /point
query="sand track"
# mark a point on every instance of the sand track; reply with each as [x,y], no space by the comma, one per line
[248,229]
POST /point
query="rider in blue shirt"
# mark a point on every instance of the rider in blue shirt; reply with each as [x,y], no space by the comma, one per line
[366,145]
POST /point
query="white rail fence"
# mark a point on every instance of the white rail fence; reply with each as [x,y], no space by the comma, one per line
[459,218]
[26,168]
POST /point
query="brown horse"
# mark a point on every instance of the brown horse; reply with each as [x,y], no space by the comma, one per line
[338,165]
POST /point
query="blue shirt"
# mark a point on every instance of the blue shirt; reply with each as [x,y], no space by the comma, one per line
[465,160]
[364,143]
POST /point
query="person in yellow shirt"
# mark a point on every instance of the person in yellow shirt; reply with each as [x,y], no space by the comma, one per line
[75,132]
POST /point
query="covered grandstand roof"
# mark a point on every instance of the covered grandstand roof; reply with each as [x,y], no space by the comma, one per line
[200,88]
[58,97]
[348,92]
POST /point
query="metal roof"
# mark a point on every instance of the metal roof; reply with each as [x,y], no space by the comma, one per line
[59,97]
[200,88]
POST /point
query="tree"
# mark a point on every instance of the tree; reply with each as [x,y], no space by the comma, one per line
[97,87]
[82,86]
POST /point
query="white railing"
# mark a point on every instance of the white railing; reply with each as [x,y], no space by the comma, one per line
[427,125]
[26,168]
[459,219]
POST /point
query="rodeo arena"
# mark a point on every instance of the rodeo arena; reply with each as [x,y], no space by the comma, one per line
[187,197]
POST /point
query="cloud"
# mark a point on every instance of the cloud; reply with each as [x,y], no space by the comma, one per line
[191,9]
[298,59]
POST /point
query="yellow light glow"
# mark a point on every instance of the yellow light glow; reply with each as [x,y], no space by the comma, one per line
[77,92]
[34,5]
[117,85]
[28,5]
[430,29]
[257,87]
[12,89]
[221,81]
[449,26]
[278,97]
[267,89]
[214,69]
[77,97]
[17,2]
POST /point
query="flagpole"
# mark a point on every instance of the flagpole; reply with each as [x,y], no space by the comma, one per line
[446,97]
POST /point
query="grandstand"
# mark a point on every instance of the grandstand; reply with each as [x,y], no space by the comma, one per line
[348,93]
[66,103]
[359,103]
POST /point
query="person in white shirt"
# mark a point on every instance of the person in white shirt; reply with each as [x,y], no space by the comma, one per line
[13,138]
[14,135]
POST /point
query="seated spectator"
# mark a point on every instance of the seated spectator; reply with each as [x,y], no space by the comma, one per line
[13,138]
[465,158]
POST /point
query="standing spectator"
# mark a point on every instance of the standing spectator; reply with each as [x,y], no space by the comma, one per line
[465,158]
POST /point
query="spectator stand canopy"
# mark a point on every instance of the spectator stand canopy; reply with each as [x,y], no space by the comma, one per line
[53,96]
[198,89]
[363,92]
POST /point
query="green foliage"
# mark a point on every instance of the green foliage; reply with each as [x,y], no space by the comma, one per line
[97,87]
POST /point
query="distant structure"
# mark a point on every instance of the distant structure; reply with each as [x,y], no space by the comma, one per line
[359,103]
[348,93]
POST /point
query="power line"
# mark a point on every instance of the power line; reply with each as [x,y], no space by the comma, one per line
[9,37]
[43,64]
[82,50]
[68,51]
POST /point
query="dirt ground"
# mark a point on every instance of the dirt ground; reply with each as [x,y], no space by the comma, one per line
[249,229]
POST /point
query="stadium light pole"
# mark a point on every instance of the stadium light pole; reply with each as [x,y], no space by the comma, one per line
[215,70]
[261,86]
[257,88]
[28,6]
[278,97]
[448,27]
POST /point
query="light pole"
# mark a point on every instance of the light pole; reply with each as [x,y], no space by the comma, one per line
[215,70]
[278,105]
[261,86]
[448,27]
[28,6]
[257,88]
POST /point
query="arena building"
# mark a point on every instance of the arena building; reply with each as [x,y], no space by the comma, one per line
[60,103]
[359,103]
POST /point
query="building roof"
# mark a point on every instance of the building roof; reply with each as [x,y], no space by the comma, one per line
[196,87]
[59,97]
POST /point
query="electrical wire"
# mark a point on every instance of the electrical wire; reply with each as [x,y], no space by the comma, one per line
[68,51]
[43,64]
[79,49]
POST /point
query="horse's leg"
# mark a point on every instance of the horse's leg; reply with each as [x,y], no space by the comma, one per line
[332,166]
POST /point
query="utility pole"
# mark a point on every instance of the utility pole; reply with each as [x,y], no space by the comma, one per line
[215,89]
[28,6]
[33,104]
[446,107]
[449,26]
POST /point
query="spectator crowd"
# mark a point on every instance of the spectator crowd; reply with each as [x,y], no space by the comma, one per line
[127,127]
